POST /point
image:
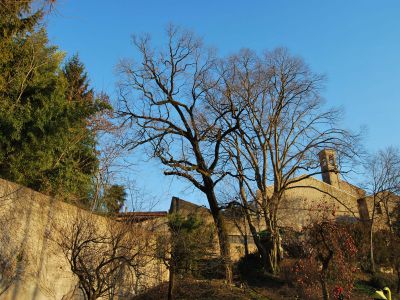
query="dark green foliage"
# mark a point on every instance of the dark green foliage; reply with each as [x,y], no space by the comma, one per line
[78,89]
[46,141]
[293,243]
[114,198]
[29,113]
[383,251]
[189,246]
[77,159]
[16,22]
[250,266]
[191,241]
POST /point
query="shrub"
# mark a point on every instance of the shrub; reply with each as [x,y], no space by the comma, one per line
[293,243]
[360,234]
[329,267]
[250,265]
[383,253]
[210,268]
[379,281]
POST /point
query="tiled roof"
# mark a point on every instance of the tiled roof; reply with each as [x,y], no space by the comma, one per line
[139,216]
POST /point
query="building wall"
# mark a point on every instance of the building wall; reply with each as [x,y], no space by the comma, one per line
[309,198]
[42,272]
[383,202]
[306,201]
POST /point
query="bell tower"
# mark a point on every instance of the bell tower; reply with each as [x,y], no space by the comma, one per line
[329,170]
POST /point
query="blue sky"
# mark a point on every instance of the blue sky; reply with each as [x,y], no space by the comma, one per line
[356,44]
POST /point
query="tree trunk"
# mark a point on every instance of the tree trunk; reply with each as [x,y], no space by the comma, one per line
[274,258]
[224,246]
[273,253]
[273,240]
[268,248]
[171,283]
[219,221]
[371,248]
[371,237]
[86,293]
[246,245]
[323,277]
[325,291]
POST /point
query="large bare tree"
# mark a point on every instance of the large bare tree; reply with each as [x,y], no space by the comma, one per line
[283,126]
[382,171]
[164,98]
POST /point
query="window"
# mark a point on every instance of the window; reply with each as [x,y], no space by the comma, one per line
[363,209]
[324,163]
[331,160]
[378,208]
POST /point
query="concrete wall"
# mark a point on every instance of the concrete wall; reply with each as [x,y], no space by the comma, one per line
[41,270]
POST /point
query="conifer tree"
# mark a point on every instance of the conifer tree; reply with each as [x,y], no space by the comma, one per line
[114,198]
[46,141]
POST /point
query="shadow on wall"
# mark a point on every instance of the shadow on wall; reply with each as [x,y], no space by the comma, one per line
[25,218]
[12,251]
[32,264]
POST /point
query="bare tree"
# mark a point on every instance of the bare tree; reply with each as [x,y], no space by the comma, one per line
[283,126]
[383,183]
[164,99]
[113,165]
[100,254]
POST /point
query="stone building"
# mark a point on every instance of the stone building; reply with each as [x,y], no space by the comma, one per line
[304,202]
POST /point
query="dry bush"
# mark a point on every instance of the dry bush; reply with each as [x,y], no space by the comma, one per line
[108,257]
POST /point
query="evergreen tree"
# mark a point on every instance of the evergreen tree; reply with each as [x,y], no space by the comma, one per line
[114,198]
[30,110]
[75,160]
[17,22]
[46,142]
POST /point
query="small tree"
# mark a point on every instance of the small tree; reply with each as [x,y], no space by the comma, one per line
[114,198]
[383,173]
[189,242]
